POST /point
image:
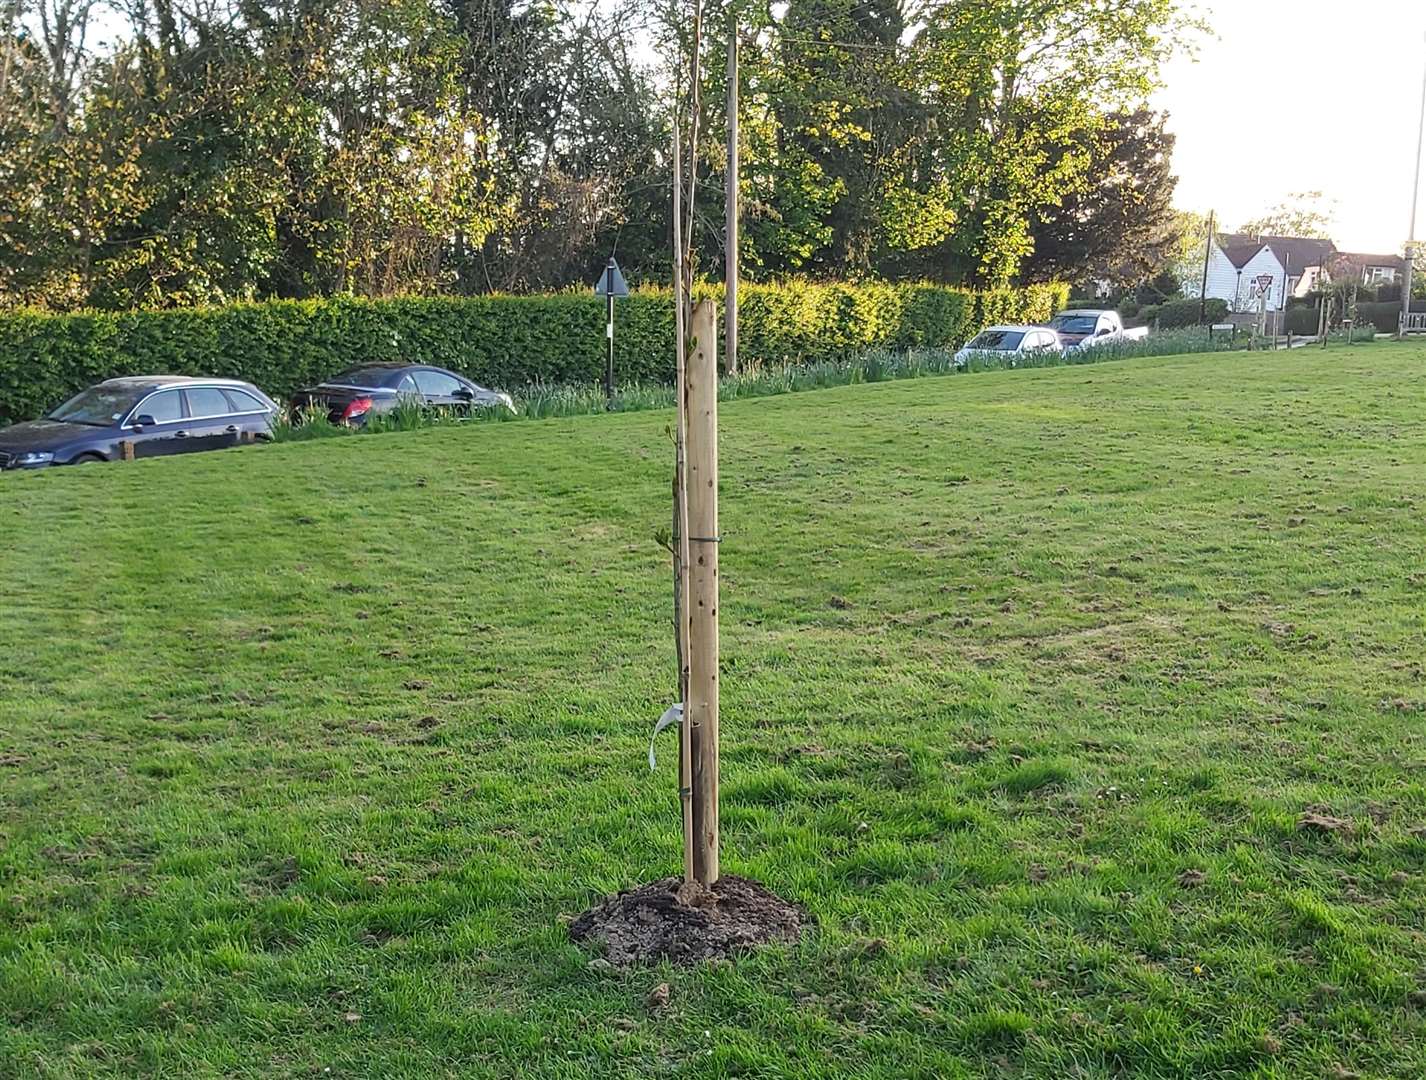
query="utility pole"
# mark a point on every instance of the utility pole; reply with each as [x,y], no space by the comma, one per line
[1415,199]
[1282,308]
[730,243]
[1203,295]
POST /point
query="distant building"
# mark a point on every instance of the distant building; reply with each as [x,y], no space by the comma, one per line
[1245,269]
[1369,270]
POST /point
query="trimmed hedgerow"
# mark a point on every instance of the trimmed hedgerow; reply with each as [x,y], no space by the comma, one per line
[1177,314]
[496,340]
[1386,317]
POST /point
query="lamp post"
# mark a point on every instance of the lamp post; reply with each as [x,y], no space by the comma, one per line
[1415,200]
[611,284]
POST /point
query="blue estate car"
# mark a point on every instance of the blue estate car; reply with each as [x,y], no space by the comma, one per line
[157,414]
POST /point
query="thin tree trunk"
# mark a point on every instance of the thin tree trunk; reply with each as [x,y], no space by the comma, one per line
[730,229]
[680,510]
[11,13]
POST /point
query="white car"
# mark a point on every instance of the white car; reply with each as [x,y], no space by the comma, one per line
[1010,344]
[1082,328]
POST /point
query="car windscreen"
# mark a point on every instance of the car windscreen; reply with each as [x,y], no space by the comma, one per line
[374,377]
[99,406]
[997,340]
[1075,324]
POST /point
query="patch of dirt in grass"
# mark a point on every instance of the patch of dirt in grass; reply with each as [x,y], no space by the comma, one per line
[686,923]
[1313,821]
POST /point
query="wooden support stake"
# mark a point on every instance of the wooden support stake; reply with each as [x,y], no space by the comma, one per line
[126,451]
[701,408]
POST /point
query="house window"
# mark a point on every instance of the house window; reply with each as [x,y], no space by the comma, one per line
[1379,275]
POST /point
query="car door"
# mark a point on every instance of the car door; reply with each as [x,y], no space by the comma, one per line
[250,416]
[165,431]
[211,423]
[441,391]
[408,393]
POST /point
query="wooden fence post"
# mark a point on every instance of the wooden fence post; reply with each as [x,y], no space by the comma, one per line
[126,451]
[701,406]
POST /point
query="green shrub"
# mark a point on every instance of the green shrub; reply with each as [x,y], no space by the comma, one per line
[1386,317]
[506,341]
[1304,319]
[1149,314]
[1301,320]
[1175,314]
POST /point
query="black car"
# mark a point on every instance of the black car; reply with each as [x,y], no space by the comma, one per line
[155,414]
[372,389]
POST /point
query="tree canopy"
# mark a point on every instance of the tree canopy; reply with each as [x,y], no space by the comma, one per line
[240,149]
[1303,213]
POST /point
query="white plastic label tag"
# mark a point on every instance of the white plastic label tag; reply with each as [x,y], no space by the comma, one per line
[672,715]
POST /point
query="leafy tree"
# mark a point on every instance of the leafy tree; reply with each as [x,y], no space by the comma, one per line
[575,132]
[254,148]
[387,163]
[37,177]
[275,151]
[1303,214]
[1118,224]
[845,107]
[1020,90]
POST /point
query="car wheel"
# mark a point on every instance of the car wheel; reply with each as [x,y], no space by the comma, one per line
[85,459]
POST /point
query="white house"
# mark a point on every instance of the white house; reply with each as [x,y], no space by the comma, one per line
[1367,269]
[1242,269]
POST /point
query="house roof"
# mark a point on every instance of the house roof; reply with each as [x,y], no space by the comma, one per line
[1396,262]
[1240,254]
[1297,253]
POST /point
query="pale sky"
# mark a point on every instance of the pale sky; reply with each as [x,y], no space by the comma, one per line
[1310,95]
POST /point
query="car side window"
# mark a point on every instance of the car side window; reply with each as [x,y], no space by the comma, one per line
[206,401]
[436,384]
[407,385]
[164,407]
[240,401]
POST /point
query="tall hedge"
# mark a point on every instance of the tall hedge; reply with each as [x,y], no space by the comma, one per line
[502,341]
[1176,314]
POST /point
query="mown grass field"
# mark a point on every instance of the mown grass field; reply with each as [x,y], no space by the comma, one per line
[305,750]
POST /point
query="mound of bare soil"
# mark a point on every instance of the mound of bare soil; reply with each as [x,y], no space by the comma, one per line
[687,923]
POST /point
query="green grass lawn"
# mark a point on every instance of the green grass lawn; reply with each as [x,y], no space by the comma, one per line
[306,751]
